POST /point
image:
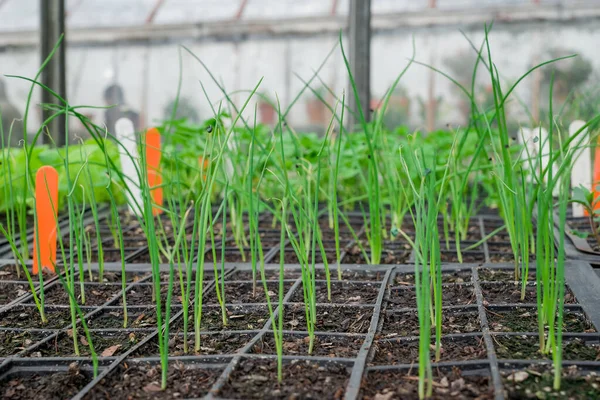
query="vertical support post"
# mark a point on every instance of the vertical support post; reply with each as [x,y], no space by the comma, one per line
[359,35]
[52,26]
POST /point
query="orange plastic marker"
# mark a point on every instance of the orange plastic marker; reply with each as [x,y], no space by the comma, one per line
[153,155]
[46,206]
[203,163]
[154,180]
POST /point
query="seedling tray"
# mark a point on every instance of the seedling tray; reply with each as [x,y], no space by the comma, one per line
[364,344]
[579,248]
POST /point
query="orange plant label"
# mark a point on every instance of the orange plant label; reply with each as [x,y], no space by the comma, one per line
[153,155]
[46,206]
[203,163]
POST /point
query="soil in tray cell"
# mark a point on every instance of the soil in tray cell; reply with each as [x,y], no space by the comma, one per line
[12,291]
[142,381]
[137,318]
[105,344]
[387,258]
[528,348]
[13,342]
[51,386]
[403,384]
[341,293]
[27,317]
[353,275]
[501,257]
[114,276]
[347,274]
[503,275]
[210,344]
[457,276]
[95,295]
[109,254]
[231,256]
[537,383]
[339,319]
[397,351]
[270,275]
[13,272]
[242,293]
[290,257]
[239,318]
[302,379]
[472,257]
[323,346]
[510,293]
[452,295]
[142,294]
[525,320]
[407,323]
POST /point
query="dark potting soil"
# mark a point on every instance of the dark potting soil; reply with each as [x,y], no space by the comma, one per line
[528,348]
[323,346]
[109,254]
[15,272]
[501,238]
[537,383]
[95,295]
[238,318]
[29,317]
[302,379]
[407,323]
[341,293]
[105,345]
[340,319]
[353,275]
[452,295]
[501,258]
[398,244]
[233,256]
[504,275]
[451,246]
[137,317]
[397,351]
[328,238]
[387,257]
[244,293]
[290,257]
[472,257]
[142,381]
[510,293]
[404,385]
[525,320]
[220,343]
[457,276]
[12,291]
[270,274]
[143,293]
[13,342]
[53,386]
[114,276]
[347,274]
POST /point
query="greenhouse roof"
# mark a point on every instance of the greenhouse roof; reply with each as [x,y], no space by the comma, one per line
[23,15]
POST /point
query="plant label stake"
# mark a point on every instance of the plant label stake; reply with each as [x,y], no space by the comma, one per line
[581,174]
[46,207]
[128,154]
[153,155]
[203,163]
